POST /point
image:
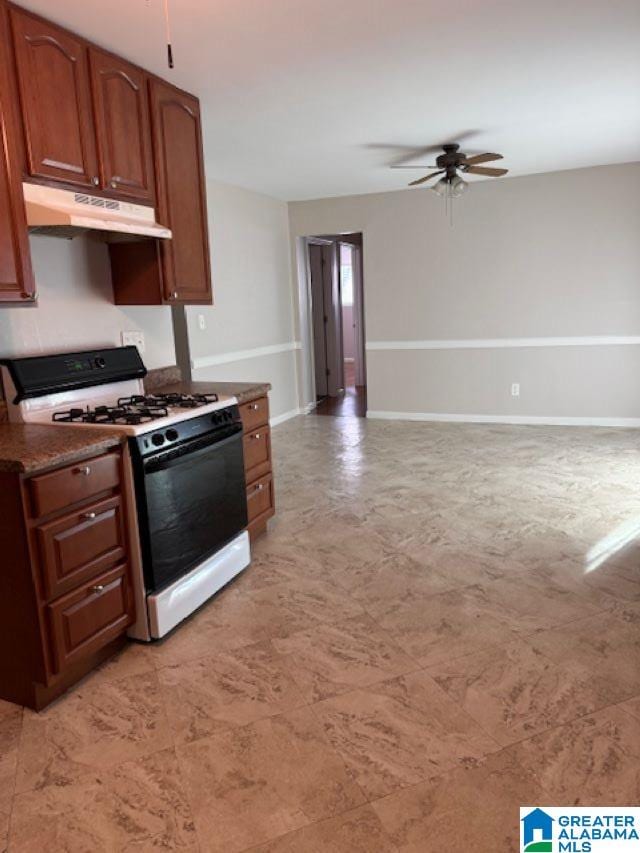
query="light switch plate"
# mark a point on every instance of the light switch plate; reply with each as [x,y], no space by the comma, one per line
[202,322]
[133,338]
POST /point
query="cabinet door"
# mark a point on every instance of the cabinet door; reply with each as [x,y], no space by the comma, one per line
[180,190]
[122,125]
[90,617]
[16,276]
[53,77]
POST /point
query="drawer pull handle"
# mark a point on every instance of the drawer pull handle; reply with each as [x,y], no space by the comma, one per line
[85,470]
[254,407]
[89,515]
[256,436]
[259,487]
[98,588]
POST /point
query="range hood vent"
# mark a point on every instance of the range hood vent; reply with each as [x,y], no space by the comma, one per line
[64,213]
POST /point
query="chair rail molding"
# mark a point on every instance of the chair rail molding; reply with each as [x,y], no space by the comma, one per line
[507,343]
[242,355]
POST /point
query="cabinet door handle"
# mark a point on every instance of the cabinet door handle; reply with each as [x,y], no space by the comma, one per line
[98,588]
[89,515]
[256,436]
[114,184]
[85,470]
[95,180]
[254,407]
[259,487]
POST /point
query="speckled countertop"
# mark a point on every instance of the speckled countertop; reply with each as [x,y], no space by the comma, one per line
[243,391]
[27,448]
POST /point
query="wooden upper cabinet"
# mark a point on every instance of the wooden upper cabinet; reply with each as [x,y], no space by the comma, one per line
[16,275]
[180,192]
[55,92]
[122,126]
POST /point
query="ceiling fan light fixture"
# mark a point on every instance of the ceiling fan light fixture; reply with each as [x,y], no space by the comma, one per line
[458,186]
[440,187]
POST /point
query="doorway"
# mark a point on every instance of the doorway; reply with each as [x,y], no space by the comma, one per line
[337,317]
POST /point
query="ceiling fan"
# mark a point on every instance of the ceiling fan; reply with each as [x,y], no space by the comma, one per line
[451,164]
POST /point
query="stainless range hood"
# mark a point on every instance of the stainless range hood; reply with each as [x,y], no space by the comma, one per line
[64,213]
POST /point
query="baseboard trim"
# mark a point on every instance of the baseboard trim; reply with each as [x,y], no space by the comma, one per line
[524,420]
[285,416]
[242,355]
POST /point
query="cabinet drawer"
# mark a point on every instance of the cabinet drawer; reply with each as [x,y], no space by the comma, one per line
[75,483]
[255,413]
[80,545]
[257,453]
[83,621]
[260,498]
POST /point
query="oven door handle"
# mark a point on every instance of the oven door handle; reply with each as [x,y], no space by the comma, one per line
[193,449]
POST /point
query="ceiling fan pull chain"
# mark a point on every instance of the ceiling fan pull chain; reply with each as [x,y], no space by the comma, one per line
[168,31]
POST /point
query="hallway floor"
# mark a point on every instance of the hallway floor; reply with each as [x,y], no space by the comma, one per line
[442,624]
[351,404]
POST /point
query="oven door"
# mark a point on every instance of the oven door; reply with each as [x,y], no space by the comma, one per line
[192,500]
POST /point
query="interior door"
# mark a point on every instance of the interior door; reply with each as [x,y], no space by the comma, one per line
[316,261]
[53,78]
[16,275]
[123,126]
[181,200]
[327,318]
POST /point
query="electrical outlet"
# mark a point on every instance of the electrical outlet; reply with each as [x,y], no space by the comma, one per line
[133,338]
[515,389]
[202,323]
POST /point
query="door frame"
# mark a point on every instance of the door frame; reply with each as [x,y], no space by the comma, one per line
[306,376]
[358,314]
[358,311]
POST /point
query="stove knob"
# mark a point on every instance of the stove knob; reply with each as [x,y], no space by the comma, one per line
[215,418]
[172,434]
[157,438]
[100,362]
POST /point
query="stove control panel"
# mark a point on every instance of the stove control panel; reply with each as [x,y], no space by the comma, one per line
[224,420]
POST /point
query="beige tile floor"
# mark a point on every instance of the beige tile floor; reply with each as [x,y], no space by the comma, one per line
[442,624]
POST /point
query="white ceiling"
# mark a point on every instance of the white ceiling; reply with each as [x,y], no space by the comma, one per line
[304,99]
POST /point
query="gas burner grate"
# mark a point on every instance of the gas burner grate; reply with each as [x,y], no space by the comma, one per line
[120,414]
[170,400]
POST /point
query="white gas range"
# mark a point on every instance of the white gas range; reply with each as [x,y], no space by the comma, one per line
[187,463]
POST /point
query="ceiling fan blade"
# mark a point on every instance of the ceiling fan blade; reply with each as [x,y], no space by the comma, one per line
[486,170]
[419,166]
[476,159]
[426,178]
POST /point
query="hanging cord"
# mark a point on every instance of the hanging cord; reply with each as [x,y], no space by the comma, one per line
[168,31]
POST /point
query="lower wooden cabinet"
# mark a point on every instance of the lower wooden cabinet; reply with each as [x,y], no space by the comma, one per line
[257,464]
[66,594]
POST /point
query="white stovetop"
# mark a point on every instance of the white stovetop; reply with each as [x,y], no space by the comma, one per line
[40,409]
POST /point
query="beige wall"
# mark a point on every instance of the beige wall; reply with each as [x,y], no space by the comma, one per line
[249,334]
[547,256]
[75,306]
